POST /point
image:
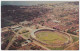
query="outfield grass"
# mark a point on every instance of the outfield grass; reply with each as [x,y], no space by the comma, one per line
[50,37]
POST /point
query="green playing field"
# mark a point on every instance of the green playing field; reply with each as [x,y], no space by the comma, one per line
[50,37]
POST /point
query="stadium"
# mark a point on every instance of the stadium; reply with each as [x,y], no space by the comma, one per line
[51,37]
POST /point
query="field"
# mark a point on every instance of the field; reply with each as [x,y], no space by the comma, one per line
[27,35]
[75,39]
[50,37]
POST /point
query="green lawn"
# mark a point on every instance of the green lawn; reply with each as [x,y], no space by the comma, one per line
[50,37]
[27,35]
[75,39]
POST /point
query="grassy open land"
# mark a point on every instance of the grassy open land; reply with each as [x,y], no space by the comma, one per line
[27,34]
[50,37]
[75,38]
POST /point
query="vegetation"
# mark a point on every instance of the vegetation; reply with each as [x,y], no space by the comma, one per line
[68,23]
[27,35]
[5,23]
[72,32]
[25,31]
[75,38]
[48,20]
[50,37]
[29,24]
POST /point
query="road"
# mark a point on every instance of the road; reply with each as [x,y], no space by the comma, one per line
[16,34]
[40,45]
[71,45]
[11,42]
[4,30]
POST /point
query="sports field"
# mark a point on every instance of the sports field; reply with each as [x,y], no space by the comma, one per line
[50,37]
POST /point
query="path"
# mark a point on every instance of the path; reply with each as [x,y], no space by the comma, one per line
[40,45]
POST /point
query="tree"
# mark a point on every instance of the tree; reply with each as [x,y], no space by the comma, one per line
[72,32]
[48,20]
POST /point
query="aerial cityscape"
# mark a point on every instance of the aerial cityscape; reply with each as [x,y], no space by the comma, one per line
[40,25]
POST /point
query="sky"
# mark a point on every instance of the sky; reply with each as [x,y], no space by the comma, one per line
[27,3]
